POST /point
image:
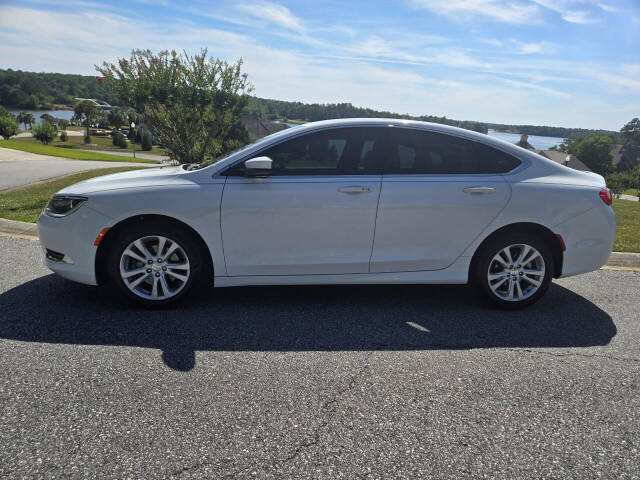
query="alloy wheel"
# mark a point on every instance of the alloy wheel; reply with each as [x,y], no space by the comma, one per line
[516,272]
[154,267]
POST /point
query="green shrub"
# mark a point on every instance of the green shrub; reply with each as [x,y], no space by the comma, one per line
[8,126]
[119,140]
[146,141]
[63,136]
[45,132]
[621,181]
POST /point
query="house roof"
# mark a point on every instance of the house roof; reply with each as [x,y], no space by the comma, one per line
[565,159]
[625,157]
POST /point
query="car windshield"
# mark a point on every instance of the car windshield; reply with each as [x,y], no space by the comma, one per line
[261,141]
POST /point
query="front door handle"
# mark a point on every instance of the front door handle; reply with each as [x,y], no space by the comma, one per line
[479,190]
[354,189]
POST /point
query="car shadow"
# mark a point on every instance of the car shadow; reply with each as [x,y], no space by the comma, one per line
[283,318]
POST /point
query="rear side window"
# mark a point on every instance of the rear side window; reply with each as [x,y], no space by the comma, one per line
[339,151]
[428,153]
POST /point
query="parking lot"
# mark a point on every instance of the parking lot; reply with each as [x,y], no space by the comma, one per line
[317,382]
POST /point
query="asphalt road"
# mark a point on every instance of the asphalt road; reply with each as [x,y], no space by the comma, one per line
[21,168]
[317,382]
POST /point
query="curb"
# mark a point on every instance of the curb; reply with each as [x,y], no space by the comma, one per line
[22,229]
[13,228]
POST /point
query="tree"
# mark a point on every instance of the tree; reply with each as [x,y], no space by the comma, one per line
[5,113]
[86,111]
[191,103]
[147,143]
[63,136]
[8,126]
[32,103]
[45,117]
[23,117]
[30,120]
[62,123]
[45,132]
[630,133]
[119,140]
[116,117]
[595,152]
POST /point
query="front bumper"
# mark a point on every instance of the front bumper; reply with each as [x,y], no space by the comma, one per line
[67,243]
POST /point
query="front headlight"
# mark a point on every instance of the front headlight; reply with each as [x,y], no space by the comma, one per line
[63,205]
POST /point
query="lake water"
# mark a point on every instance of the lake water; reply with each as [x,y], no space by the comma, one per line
[66,114]
[541,143]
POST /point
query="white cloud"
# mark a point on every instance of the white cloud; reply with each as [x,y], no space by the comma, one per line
[607,8]
[508,11]
[392,70]
[271,13]
[568,10]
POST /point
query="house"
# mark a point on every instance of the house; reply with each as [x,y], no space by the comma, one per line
[557,156]
[625,157]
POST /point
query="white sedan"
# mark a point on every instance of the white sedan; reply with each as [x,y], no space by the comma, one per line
[336,202]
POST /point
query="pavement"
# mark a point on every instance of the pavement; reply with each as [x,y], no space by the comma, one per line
[70,133]
[317,382]
[623,196]
[19,168]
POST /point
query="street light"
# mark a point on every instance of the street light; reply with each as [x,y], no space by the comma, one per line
[133,125]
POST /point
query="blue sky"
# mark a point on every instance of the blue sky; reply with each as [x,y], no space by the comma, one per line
[552,62]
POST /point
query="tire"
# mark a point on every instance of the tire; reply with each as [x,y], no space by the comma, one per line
[146,277]
[512,285]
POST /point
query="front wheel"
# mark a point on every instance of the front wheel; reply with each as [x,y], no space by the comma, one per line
[514,270]
[154,265]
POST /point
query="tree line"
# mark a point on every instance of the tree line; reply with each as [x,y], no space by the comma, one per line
[33,91]
[546,131]
[311,112]
[30,90]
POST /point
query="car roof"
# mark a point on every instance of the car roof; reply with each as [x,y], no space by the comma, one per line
[414,124]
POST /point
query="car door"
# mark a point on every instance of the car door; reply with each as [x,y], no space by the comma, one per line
[438,193]
[313,214]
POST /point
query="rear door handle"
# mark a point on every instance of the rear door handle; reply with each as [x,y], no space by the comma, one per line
[354,189]
[479,190]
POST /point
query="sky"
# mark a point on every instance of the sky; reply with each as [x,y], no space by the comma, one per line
[571,63]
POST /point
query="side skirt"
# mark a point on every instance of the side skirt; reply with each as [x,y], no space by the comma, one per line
[457,273]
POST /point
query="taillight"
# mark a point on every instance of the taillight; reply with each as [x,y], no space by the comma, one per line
[605,195]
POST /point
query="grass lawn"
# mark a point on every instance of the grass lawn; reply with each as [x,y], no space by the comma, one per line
[631,191]
[628,230]
[97,143]
[70,153]
[26,203]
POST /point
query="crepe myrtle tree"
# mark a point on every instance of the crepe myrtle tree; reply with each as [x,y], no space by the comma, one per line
[192,104]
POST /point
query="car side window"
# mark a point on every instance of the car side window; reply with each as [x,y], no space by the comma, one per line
[339,151]
[428,153]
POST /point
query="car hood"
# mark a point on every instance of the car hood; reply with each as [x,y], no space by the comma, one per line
[146,177]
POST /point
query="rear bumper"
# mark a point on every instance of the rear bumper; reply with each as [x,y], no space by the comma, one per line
[589,239]
[70,243]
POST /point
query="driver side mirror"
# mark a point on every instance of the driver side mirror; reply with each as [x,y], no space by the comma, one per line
[258,166]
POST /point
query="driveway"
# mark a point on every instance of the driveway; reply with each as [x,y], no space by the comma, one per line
[317,382]
[21,168]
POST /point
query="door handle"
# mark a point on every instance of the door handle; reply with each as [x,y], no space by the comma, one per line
[354,189]
[479,190]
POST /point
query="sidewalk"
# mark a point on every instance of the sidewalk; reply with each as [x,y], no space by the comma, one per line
[617,260]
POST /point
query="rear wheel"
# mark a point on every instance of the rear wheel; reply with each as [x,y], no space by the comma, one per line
[154,264]
[514,270]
